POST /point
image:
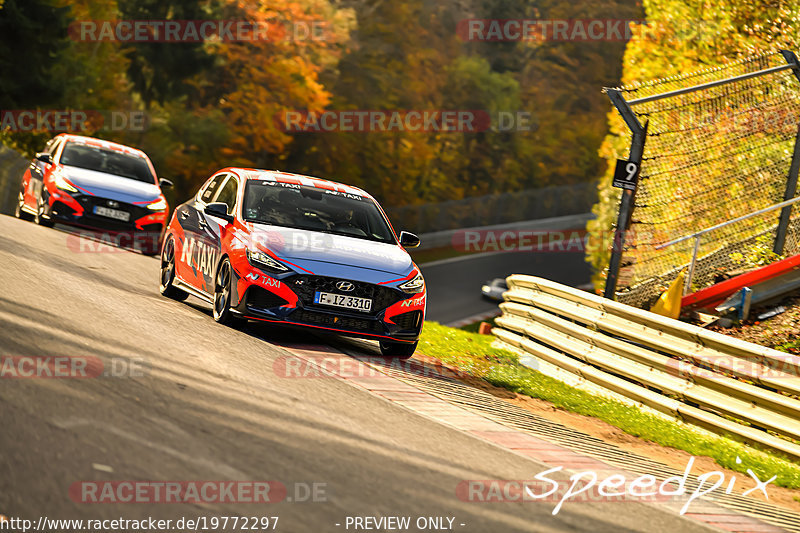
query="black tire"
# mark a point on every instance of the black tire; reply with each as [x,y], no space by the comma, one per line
[401,350]
[166,285]
[39,218]
[18,212]
[222,294]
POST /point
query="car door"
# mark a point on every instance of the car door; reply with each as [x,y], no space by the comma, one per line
[216,228]
[192,252]
[33,179]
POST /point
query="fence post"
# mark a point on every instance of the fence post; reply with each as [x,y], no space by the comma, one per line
[791,190]
[687,285]
[791,181]
[639,134]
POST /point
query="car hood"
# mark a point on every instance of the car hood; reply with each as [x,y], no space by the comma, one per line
[110,186]
[316,251]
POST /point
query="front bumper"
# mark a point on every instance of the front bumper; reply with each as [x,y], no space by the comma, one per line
[395,315]
[143,230]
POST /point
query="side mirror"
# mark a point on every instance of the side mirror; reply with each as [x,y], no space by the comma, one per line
[165,183]
[44,157]
[408,240]
[219,210]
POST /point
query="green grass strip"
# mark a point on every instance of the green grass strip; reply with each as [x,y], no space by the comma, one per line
[474,354]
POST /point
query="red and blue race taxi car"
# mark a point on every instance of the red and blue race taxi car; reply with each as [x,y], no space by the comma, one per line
[106,187]
[296,250]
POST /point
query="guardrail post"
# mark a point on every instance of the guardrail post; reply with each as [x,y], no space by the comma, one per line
[639,134]
[687,286]
[791,181]
[791,190]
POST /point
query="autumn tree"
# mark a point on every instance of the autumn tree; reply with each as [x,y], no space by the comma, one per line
[686,36]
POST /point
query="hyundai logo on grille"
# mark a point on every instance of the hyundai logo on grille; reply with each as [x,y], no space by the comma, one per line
[112,203]
[345,286]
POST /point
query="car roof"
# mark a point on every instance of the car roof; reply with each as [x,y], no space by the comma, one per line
[297,179]
[100,143]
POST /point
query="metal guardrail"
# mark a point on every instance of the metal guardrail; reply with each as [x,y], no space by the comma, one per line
[704,378]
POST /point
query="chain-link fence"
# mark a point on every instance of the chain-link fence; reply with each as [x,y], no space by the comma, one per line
[496,209]
[719,144]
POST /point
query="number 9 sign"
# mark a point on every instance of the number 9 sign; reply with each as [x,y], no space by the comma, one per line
[626,175]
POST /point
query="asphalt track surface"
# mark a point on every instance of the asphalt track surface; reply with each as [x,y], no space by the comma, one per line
[210,406]
[454,285]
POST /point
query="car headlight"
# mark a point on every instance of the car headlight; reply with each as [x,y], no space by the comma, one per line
[486,289]
[265,262]
[157,205]
[62,183]
[414,286]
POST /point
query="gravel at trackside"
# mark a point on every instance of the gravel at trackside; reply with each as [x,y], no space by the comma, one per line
[781,332]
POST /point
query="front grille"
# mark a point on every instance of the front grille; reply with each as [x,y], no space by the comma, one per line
[263,299]
[323,319]
[408,320]
[306,286]
[90,202]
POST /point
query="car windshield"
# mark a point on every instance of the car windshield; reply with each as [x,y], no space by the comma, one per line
[108,161]
[310,208]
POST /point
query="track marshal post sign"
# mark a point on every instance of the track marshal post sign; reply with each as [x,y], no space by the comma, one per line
[626,175]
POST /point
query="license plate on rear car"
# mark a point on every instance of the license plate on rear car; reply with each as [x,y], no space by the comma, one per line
[116,214]
[340,300]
